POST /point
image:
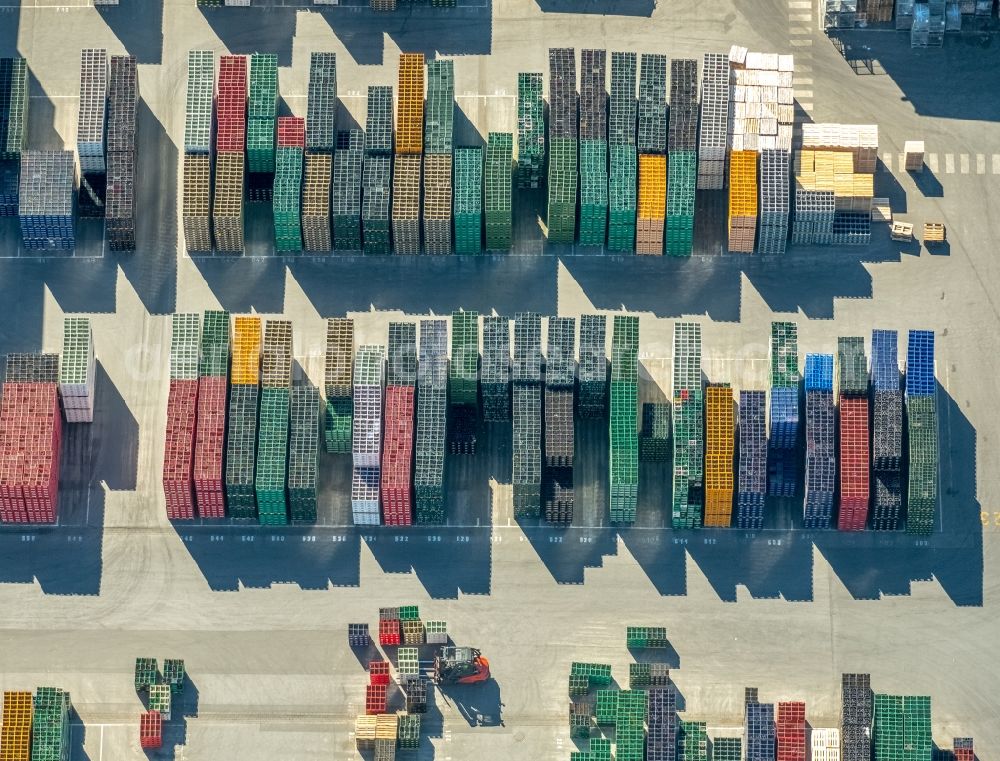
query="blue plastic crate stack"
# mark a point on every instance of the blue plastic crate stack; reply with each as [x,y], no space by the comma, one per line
[821,460]
[782,456]
[922,433]
[759,732]
[45,200]
[887,432]
[13,128]
[661,733]
[752,460]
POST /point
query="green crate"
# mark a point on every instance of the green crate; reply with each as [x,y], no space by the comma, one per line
[852,366]
[622,198]
[409,613]
[692,741]
[887,727]
[606,707]
[727,749]
[578,685]
[498,210]
[463,371]
[146,673]
[639,675]
[468,200]
[923,459]
[272,456]
[173,674]
[593,192]
[287,199]
[263,94]
[439,113]
[50,733]
[682,178]
[562,190]
[216,337]
[408,731]
[784,355]
[338,425]
[530,130]
[261,145]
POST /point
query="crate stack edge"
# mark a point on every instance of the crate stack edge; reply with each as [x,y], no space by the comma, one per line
[241,422]
[182,410]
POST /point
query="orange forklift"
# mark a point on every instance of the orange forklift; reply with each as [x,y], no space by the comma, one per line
[460,665]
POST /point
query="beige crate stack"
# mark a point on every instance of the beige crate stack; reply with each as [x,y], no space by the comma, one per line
[761,100]
[196,203]
[406,204]
[860,140]
[831,171]
[227,207]
[365,728]
[316,202]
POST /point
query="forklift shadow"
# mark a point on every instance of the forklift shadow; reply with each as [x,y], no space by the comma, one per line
[479,704]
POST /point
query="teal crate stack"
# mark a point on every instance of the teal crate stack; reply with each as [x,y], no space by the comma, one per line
[688,427]
[692,741]
[682,157]
[622,421]
[593,148]
[13,127]
[563,146]
[630,733]
[918,745]
[439,114]
[530,130]
[272,433]
[527,415]
[432,422]
[622,174]
[345,195]
[922,433]
[303,453]
[499,214]
[468,200]
[888,728]
[288,199]
[262,115]
[495,381]
[438,193]
[463,383]
[338,372]
[50,733]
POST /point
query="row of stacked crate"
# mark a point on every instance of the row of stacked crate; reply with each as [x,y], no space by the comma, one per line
[287,191]
[593,130]
[182,404]
[527,415]
[377,171]
[77,369]
[682,157]
[406,171]
[45,200]
[366,437]
[498,212]
[654,436]
[622,413]
[468,200]
[160,690]
[688,398]
[752,462]
[494,379]
[196,191]
[271,475]
[230,158]
[13,129]
[652,147]
[922,433]
[438,159]
[400,420]
[320,152]
[120,208]
[262,114]
[432,422]
[559,437]
[210,426]
[337,374]
[244,400]
[783,413]
[887,431]
[91,132]
[622,161]
[563,146]
[720,442]
[35,726]
[714,124]
[854,449]
[592,388]
[530,130]
[821,458]
[463,383]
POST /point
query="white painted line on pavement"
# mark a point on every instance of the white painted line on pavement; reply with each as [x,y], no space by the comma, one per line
[964,163]
[996,163]
[932,161]
[949,163]
[980,163]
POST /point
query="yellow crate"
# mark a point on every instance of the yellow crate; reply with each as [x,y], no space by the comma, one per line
[719,421]
[246,351]
[718,508]
[410,108]
[364,731]
[652,186]
[15,734]
[386,726]
[743,184]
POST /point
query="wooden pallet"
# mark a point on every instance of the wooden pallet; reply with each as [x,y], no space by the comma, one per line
[934,232]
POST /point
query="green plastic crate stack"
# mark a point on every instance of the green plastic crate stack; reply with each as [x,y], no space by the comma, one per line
[599,750]
[530,130]
[593,192]
[921,499]
[13,125]
[562,186]
[468,200]
[682,177]
[784,355]
[409,613]
[443,3]
[216,337]
[345,199]
[654,441]
[185,346]
[597,674]
[639,675]
[622,180]
[692,741]
[439,113]
[622,422]
[463,372]
[146,673]
[321,113]
[173,674]
[630,733]
[917,742]
[288,199]
[272,434]
[408,731]
[160,698]
[688,427]
[606,709]
[499,216]
[727,749]
[198,110]
[527,415]
[262,112]
[852,366]
[888,728]
[592,390]
[303,453]
[50,735]
[641,637]
[432,422]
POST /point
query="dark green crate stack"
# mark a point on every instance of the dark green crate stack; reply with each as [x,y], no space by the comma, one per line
[917,742]
[338,372]
[408,731]
[432,422]
[468,200]
[530,130]
[586,676]
[592,390]
[563,146]
[599,749]
[262,113]
[287,199]
[377,171]
[888,728]
[499,214]
[463,372]
[303,453]
[559,437]
[495,380]
[688,427]
[654,439]
[439,118]
[527,415]
[272,433]
[13,127]
[623,161]
[593,148]
[630,720]
[216,339]
[727,749]
[692,741]
[642,637]
[50,734]
[622,422]
[345,196]
[682,157]
[922,433]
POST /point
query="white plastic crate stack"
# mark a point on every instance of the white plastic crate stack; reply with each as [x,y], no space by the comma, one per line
[714,122]
[197,180]
[90,125]
[825,744]
[761,100]
[369,375]
[76,370]
[841,14]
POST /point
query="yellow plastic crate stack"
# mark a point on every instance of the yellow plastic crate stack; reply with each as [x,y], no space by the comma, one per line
[15,734]
[834,172]
[742,201]
[652,203]
[719,446]
[365,731]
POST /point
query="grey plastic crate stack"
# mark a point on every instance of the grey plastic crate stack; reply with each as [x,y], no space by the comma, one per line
[91,118]
[752,470]
[840,14]
[197,181]
[45,200]
[928,24]
[622,154]
[856,715]
[623,436]
[321,111]
[123,97]
[303,453]
[714,125]
[922,434]
[887,432]
[593,148]
[76,370]
[814,216]
[682,157]
[463,383]
[821,458]
[559,437]
[406,204]
[377,171]
[495,375]
[402,354]
[345,201]
[652,103]
[592,400]
[530,130]
[432,422]
[772,227]
[338,372]
[563,146]
[438,131]
[688,427]
[498,212]
[527,414]
[13,128]
[366,439]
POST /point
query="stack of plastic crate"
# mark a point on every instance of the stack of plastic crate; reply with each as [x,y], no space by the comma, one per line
[197,181]
[559,439]
[303,452]
[887,432]
[287,196]
[498,215]
[593,373]
[527,423]
[91,131]
[917,742]
[210,430]
[432,421]
[682,156]
[50,730]
[345,193]
[13,127]
[692,741]
[495,378]
[468,200]
[964,749]
[438,128]
[888,728]
[622,423]
[855,452]
[377,171]
[752,468]
[182,404]
[622,155]
[791,731]
[630,730]
[783,415]
[654,438]
[230,143]
[661,730]
[758,731]
[563,133]
[123,98]
[761,100]
[262,114]
[719,449]
[772,234]
[317,172]
[321,142]
[714,122]
[366,438]
[824,744]
[530,130]
[30,438]
[45,200]
[652,145]
[241,429]
[821,457]
[742,201]
[272,432]
[76,370]
[593,148]
[855,718]
[15,729]
[397,445]
[409,147]
[337,374]
[688,424]
[463,382]
[922,433]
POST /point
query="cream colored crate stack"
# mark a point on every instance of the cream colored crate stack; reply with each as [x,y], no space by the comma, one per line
[761,100]
[825,745]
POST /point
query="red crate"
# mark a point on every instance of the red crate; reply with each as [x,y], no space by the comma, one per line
[291,132]
[231,136]
[791,731]
[30,444]
[964,749]
[150,729]
[854,464]
[388,631]
[378,672]
[376,698]
[209,442]
[397,457]
[178,450]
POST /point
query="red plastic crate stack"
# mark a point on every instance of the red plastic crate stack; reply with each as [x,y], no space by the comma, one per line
[791,726]
[150,729]
[388,631]
[854,464]
[964,750]
[378,672]
[209,443]
[178,451]
[397,457]
[231,105]
[30,442]
[291,132]
[376,698]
